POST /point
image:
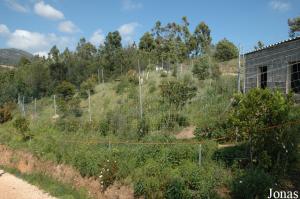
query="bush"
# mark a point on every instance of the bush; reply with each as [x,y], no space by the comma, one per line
[87,163]
[252,184]
[88,85]
[252,115]
[226,50]
[65,90]
[103,127]
[201,68]
[108,173]
[22,126]
[70,107]
[175,188]
[5,114]
[163,74]
[172,120]
[211,130]
[143,128]
[69,124]
[177,93]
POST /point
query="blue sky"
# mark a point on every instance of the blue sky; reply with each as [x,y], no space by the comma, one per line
[36,25]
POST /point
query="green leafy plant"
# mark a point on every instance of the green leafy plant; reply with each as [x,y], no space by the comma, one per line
[22,126]
[5,114]
[108,173]
[252,116]
[252,184]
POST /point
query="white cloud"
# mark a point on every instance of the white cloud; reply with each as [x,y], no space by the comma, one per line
[280,5]
[131,5]
[97,38]
[67,27]
[13,4]
[35,41]
[127,31]
[4,31]
[47,11]
[41,54]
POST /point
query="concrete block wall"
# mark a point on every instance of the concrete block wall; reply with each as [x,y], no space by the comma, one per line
[278,59]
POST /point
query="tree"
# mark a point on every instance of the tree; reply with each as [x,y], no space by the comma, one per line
[259,45]
[23,61]
[113,41]
[177,93]
[35,77]
[85,50]
[253,114]
[226,50]
[22,126]
[111,52]
[202,38]
[65,90]
[201,68]
[147,42]
[294,25]
[54,54]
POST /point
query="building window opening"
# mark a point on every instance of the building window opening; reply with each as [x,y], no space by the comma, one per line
[295,77]
[263,77]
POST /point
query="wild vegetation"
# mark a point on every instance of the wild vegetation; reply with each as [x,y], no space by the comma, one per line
[120,126]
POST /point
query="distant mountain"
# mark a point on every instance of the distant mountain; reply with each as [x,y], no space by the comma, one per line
[11,56]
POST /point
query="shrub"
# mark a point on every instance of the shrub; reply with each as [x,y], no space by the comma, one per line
[175,188]
[252,115]
[163,74]
[69,124]
[143,128]
[170,121]
[108,173]
[103,127]
[65,90]
[226,50]
[133,77]
[22,126]
[87,163]
[201,68]
[5,114]
[70,107]
[211,130]
[88,85]
[252,184]
[177,93]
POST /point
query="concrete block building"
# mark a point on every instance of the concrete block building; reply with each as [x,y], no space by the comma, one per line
[275,66]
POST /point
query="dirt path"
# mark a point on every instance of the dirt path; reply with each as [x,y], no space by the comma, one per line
[12,187]
[186,133]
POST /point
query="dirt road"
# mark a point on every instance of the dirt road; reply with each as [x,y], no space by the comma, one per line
[12,187]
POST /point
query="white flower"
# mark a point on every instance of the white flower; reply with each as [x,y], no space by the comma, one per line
[100,176]
[107,169]
[241,181]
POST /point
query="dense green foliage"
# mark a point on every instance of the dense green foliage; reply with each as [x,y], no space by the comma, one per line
[5,113]
[226,50]
[252,184]
[252,115]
